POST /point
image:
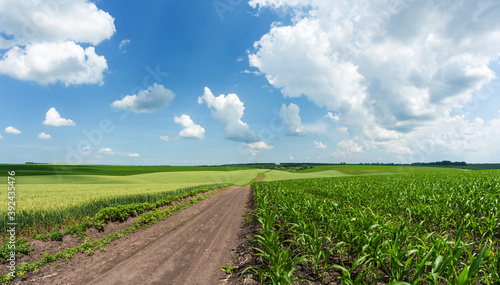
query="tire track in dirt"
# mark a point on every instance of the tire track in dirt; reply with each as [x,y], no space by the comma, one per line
[194,253]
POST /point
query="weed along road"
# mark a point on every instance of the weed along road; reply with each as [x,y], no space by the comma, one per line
[193,253]
[189,247]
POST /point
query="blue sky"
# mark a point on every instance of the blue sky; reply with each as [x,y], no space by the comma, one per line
[168,82]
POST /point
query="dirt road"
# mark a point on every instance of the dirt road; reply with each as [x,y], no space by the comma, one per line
[189,247]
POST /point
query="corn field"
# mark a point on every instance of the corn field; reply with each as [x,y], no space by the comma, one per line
[47,202]
[434,228]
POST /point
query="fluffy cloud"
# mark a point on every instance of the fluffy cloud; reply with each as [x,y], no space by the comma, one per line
[106,150]
[44,41]
[123,44]
[258,147]
[79,21]
[229,111]
[44,136]
[52,118]
[456,135]
[391,70]
[330,116]
[190,129]
[167,138]
[51,62]
[154,98]
[109,151]
[11,130]
[346,148]
[292,119]
[319,145]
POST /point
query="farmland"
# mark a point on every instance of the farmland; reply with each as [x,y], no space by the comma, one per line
[51,196]
[430,228]
[376,169]
[345,170]
[274,175]
[327,224]
[46,201]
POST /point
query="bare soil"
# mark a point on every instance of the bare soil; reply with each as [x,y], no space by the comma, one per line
[38,248]
[189,247]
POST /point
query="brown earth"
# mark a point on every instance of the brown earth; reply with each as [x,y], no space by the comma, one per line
[261,176]
[189,247]
[39,248]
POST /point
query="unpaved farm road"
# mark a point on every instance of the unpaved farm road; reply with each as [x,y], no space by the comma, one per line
[189,247]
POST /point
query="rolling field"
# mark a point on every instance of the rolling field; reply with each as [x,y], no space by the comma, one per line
[49,196]
[330,224]
[376,169]
[46,201]
[274,175]
[323,171]
[420,228]
[110,170]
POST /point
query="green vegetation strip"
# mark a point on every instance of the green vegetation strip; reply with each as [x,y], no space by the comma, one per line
[32,222]
[143,221]
[112,170]
[425,228]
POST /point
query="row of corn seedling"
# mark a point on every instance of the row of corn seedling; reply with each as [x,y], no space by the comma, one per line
[440,228]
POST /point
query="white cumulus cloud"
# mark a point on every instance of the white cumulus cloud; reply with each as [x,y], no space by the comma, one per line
[391,70]
[123,44]
[167,138]
[44,41]
[106,150]
[134,155]
[190,129]
[332,117]
[11,130]
[154,98]
[228,109]
[346,148]
[292,119]
[44,136]
[258,147]
[52,118]
[47,63]
[319,145]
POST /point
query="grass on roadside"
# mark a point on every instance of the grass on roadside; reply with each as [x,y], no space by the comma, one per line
[144,220]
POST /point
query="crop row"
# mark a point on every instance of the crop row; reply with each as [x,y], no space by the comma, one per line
[436,228]
[33,223]
[89,246]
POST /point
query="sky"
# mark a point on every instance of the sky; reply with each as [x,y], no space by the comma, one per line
[233,81]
